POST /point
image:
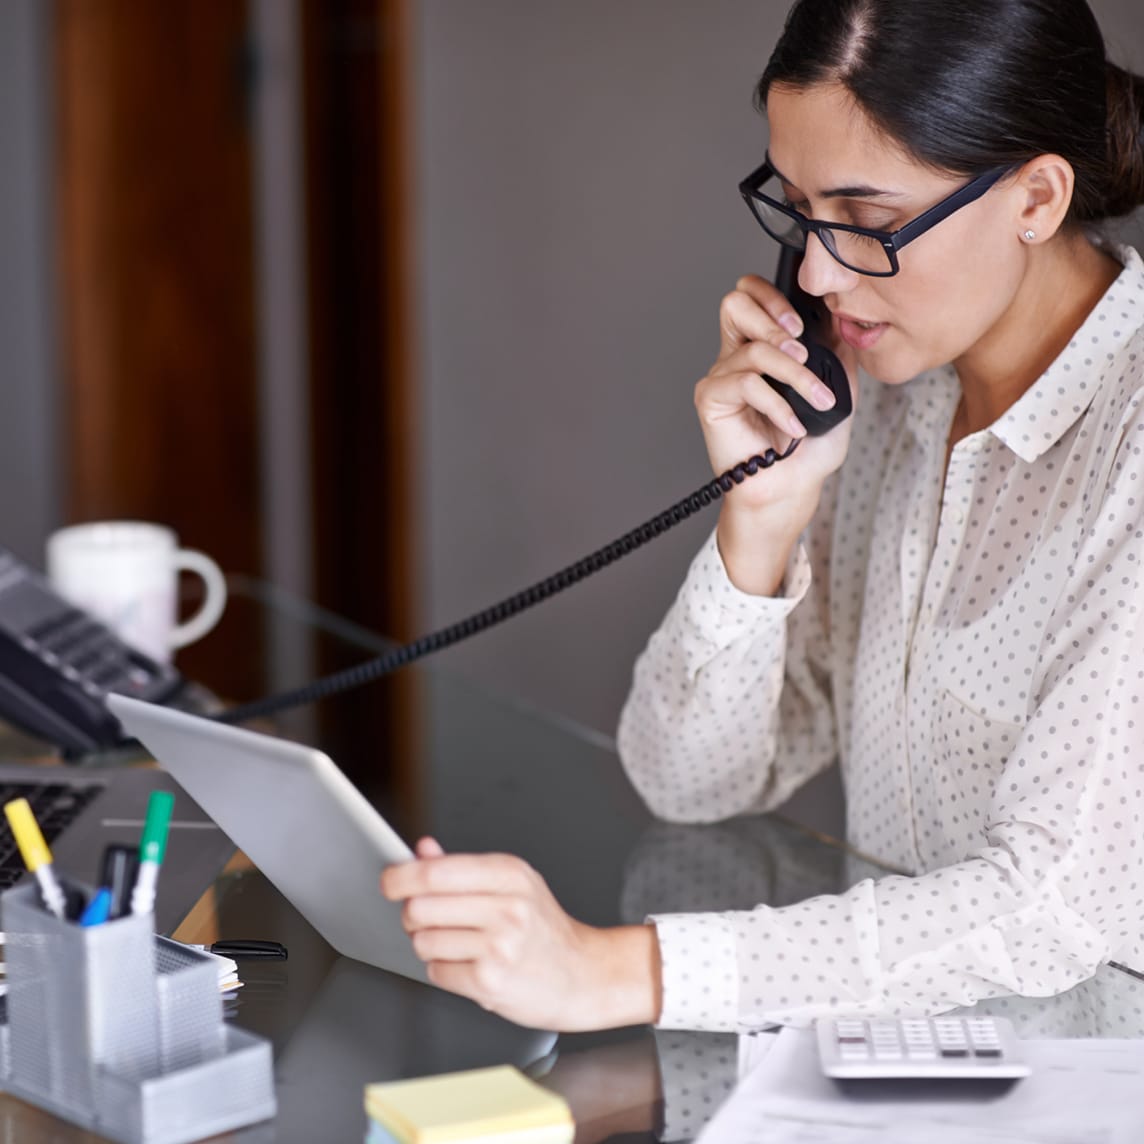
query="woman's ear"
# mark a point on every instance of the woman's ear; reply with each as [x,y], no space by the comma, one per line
[1043,194]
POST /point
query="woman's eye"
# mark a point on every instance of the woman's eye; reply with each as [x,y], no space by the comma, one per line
[802,206]
[884,226]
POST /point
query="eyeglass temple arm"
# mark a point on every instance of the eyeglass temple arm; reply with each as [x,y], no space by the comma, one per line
[973,190]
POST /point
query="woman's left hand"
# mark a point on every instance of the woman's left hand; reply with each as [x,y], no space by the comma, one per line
[489,928]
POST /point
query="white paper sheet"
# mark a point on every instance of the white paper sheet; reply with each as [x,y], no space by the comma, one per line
[753,1047]
[1081,1092]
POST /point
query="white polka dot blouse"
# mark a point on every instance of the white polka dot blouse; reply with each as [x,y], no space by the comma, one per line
[968,643]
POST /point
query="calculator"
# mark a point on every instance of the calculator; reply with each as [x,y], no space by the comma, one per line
[935,1048]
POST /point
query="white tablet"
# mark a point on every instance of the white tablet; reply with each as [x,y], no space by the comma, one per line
[300,820]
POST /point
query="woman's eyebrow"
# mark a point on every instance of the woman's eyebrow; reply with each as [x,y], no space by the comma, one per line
[854,192]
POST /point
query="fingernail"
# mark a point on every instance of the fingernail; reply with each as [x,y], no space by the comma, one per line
[795,350]
[795,427]
[792,323]
[822,398]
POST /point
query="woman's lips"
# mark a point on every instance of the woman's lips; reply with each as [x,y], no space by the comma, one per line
[858,334]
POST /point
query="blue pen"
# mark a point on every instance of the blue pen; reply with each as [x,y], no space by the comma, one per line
[98,909]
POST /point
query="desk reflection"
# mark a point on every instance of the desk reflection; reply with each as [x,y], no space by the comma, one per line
[667,1086]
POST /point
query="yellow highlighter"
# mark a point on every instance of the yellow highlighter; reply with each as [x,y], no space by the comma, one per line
[34,850]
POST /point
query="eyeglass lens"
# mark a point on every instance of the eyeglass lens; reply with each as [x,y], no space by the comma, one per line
[858,251]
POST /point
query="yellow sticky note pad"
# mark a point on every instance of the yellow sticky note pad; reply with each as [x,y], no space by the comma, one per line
[494,1104]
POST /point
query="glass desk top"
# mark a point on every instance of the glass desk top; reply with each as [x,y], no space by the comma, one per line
[481,772]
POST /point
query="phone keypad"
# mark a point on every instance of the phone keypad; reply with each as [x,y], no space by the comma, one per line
[61,664]
[80,648]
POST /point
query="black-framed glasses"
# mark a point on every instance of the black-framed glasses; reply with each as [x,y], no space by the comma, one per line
[865,251]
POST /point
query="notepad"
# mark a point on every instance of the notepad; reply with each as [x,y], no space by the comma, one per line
[227,967]
[482,1105]
[228,980]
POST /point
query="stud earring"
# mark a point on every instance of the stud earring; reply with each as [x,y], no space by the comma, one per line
[1030,235]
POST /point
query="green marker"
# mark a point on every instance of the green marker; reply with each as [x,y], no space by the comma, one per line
[152,847]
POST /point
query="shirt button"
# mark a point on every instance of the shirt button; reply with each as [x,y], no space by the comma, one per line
[958,515]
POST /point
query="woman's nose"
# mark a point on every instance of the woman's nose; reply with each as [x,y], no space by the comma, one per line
[821,273]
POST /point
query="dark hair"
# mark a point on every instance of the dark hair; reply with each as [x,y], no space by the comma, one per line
[969,85]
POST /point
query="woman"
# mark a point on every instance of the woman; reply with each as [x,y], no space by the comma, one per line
[944,592]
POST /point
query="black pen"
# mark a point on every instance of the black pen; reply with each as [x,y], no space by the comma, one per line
[247,949]
[117,873]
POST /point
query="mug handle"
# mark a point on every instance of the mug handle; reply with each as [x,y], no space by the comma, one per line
[188,560]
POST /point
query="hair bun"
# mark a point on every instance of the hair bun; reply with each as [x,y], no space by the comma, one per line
[1125,142]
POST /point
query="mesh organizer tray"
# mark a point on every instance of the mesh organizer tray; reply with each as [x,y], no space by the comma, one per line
[121,1032]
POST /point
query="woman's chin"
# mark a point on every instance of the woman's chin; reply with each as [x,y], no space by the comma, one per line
[891,369]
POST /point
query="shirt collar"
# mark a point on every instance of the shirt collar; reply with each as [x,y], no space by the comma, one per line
[1042,415]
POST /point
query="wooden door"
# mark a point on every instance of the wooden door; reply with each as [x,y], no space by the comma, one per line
[159,358]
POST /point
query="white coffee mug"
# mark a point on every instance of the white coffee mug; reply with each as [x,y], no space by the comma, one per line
[126,574]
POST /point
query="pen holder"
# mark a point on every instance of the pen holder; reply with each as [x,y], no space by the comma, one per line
[121,1032]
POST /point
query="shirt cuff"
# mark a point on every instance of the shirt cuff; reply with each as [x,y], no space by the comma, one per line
[719,613]
[700,972]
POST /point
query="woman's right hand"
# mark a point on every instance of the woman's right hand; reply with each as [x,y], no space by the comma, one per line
[742,416]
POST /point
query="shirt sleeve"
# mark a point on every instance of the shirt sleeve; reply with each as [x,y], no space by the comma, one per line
[1055,889]
[730,706]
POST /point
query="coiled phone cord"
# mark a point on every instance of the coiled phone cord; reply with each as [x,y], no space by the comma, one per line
[390,661]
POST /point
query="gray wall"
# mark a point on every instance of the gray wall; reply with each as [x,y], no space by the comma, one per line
[29,455]
[578,224]
[1123,24]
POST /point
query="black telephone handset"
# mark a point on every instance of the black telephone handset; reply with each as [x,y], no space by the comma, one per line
[822,362]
